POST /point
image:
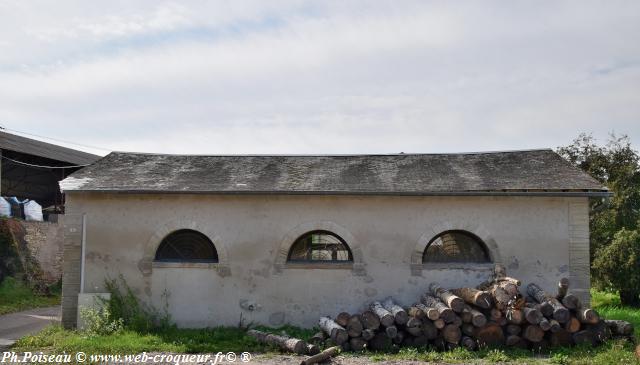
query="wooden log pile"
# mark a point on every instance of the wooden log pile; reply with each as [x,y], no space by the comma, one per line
[496,313]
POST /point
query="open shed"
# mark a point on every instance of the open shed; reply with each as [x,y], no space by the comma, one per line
[31,169]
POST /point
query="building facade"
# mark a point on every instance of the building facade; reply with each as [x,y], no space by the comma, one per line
[220,240]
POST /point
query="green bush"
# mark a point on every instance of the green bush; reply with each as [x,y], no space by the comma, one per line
[135,315]
[619,265]
[99,322]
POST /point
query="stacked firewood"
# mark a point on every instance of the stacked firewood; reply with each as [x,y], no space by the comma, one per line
[495,313]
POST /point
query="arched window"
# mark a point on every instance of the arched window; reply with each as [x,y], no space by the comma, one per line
[456,246]
[186,245]
[320,246]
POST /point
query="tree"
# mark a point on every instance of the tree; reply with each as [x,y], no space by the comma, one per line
[615,165]
[619,265]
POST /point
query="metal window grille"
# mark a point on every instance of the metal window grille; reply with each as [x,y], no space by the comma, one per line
[456,246]
[186,246]
[320,246]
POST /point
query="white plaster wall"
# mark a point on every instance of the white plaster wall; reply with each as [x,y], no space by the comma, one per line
[531,235]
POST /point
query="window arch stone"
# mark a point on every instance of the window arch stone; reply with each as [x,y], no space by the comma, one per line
[478,230]
[357,265]
[320,246]
[186,245]
[145,265]
[456,247]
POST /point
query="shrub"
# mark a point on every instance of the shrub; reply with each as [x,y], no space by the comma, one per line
[135,315]
[99,322]
[619,265]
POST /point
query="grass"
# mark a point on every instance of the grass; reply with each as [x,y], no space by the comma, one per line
[56,340]
[15,296]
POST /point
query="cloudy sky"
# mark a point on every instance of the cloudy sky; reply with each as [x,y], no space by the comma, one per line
[320,76]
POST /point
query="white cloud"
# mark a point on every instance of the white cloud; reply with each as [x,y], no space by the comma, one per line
[308,77]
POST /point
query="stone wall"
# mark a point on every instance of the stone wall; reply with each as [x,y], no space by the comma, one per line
[538,239]
[44,241]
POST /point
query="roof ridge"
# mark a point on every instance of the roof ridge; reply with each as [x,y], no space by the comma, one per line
[339,154]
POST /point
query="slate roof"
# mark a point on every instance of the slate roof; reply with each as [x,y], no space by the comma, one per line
[30,146]
[514,172]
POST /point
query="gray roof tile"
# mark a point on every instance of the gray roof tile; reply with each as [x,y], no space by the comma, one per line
[409,174]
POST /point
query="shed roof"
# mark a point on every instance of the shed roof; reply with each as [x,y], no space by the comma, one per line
[514,172]
[30,146]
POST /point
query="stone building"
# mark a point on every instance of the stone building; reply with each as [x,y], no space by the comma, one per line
[286,239]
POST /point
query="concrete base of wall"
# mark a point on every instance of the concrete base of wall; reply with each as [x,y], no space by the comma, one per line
[90,300]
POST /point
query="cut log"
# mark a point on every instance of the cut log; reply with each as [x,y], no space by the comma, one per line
[323,356]
[416,312]
[514,316]
[560,313]
[370,320]
[495,314]
[336,332]
[357,343]
[489,335]
[457,321]
[620,328]
[439,323]
[429,330]
[571,301]
[414,326]
[502,321]
[555,325]
[513,340]
[479,298]
[400,316]
[532,333]
[398,338]
[318,338]
[386,318]
[513,329]
[346,347]
[414,331]
[561,338]
[312,349]
[563,287]
[453,301]
[572,325]
[466,316]
[391,331]
[414,322]
[342,319]
[446,313]
[468,343]
[380,342]
[440,344]
[451,333]
[468,329]
[354,326]
[285,343]
[478,319]
[532,315]
[584,337]
[419,341]
[587,316]
[600,330]
[368,334]
[430,312]
[546,309]
[545,324]
[501,298]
